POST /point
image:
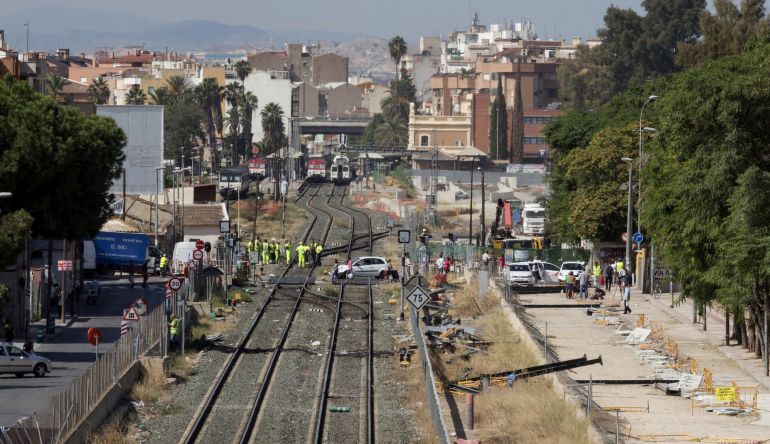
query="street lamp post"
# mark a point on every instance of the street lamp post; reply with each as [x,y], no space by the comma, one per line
[629,210]
[650,99]
[157,203]
[470,215]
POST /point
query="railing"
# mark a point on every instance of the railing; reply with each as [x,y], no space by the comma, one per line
[78,400]
[70,407]
[434,404]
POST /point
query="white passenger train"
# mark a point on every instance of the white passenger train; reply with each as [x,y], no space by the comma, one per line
[341,171]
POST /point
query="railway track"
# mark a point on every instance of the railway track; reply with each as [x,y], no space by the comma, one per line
[274,373]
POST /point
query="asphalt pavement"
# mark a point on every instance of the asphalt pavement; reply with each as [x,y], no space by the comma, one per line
[69,348]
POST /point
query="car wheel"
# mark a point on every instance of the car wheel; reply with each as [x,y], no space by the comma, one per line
[19,375]
[39,370]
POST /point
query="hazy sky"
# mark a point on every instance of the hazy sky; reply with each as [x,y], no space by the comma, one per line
[411,18]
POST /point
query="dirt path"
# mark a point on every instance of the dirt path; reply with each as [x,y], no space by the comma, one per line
[669,419]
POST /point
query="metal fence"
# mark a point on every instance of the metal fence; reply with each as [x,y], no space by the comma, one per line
[434,404]
[71,406]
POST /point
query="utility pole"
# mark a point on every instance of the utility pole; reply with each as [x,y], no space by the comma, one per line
[483,237]
[157,204]
[470,215]
[26,25]
[123,210]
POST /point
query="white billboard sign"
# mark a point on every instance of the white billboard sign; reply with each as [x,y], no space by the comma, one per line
[143,125]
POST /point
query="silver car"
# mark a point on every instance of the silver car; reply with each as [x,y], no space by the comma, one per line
[364,266]
[14,360]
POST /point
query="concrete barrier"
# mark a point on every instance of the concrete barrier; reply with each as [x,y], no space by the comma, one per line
[105,406]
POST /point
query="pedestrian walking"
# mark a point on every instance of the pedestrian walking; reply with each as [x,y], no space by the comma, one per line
[408,265]
[335,271]
[627,280]
[583,278]
[440,264]
[609,273]
[145,274]
[501,265]
[8,332]
[447,265]
[570,285]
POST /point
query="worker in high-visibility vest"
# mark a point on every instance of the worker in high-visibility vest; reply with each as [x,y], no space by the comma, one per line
[276,251]
[265,250]
[287,250]
[301,254]
[597,272]
[173,330]
[318,250]
[258,249]
[250,246]
[163,264]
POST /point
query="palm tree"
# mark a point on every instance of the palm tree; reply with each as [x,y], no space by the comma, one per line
[249,103]
[400,94]
[393,132]
[160,96]
[242,70]
[136,96]
[272,125]
[397,48]
[177,85]
[54,85]
[208,96]
[98,91]
[232,93]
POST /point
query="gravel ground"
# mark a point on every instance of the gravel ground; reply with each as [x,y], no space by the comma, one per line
[288,414]
[348,384]
[183,400]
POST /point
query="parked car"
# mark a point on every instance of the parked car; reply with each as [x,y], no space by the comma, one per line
[14,360]
[573,266]
[460,195]
[364,266]
[520,273]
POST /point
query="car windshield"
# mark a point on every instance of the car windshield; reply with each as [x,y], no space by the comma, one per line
[535,213]
[573,266]
[519,267]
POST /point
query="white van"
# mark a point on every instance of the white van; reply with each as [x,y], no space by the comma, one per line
[89,259]
[182,255]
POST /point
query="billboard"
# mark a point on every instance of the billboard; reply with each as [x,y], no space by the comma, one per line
[143,125]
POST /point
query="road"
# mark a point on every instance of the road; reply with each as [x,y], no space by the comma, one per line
[69,349]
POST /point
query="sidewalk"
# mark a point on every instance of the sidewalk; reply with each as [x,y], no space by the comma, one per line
[715,333]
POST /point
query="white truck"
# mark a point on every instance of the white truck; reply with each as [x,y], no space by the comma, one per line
[533,219]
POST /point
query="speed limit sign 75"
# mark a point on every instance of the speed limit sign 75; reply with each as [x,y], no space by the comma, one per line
[175,283]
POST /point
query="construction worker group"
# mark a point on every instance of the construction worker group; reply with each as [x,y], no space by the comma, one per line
[269,252]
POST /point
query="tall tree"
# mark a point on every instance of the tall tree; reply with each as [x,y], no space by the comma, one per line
[392,132]
[208,95]
[249,103]
[58,162]
[498,125]
[725,32]
[54,86]
[177,85]
[98,91]
[397,49]
[584,83]
[242,70]
[233,93]
[160,96]
[272,126]
[136,96]
[517,120]
[183,124]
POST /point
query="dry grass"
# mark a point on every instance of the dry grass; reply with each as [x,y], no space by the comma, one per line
[150,388]
[531,411]
[180,367]
[414,397]
[467,303]
[109,433]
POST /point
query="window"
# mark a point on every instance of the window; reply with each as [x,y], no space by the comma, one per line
[424,140]
[13,351]
[2,351]
[534,141]
[519,267]
[529,120]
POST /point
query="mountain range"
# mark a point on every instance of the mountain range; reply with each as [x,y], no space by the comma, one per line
[83,30]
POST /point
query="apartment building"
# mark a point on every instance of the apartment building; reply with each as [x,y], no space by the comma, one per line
[302,65]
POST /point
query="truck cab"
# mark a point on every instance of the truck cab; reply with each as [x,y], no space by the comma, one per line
[533,219]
